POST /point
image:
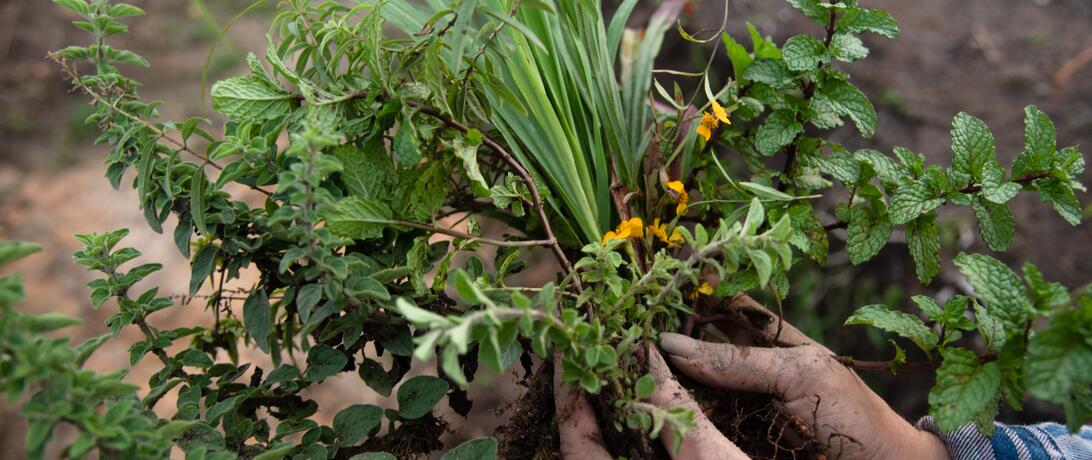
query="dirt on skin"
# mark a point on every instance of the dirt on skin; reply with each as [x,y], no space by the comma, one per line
[986,57]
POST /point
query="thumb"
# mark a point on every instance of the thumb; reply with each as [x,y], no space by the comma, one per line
[722,365]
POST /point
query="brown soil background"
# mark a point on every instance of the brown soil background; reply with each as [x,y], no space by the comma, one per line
[987,57]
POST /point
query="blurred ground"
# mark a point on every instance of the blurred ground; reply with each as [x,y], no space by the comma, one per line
[987,57]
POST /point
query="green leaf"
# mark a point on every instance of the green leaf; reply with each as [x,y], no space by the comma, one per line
[373,374]
[847,48]
[256,318]
[123,10]
[468,153]
[975,154]
[1001,193]
[1040,144]
[779,130]
[903,324]
[359,218]
[198,185]
[250,98]
[772,72]
[866,235]
[276,452]
[645,386]
[912,199]
[306,299]
[923,238]
[812,10]
[418,395]
[964,389]
[76,6]
[354,422]
[849,101]
[11,251]
[419,316]
[324,361]
[405,144]
[995,223]
[1060,357]
[858,20]
[202,266]
[1004,294]
[804,52]
[738,55]
[365,170]
[1060,195]
[474,449]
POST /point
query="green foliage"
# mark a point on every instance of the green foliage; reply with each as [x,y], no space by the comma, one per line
[401,119]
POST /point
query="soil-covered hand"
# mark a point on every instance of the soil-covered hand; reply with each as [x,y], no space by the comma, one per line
[848,419]
[581,438]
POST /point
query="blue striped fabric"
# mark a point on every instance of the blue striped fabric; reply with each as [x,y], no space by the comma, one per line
[1031,442]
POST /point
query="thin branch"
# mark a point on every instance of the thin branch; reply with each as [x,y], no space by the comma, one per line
[885,366]
[465,236]
[75,77]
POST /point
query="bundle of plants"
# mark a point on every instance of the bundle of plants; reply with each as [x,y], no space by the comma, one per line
[386,174]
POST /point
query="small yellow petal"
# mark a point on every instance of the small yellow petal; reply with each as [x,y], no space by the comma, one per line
[609,236]
[705,132]
[720,113]
[676,238]
[677,187]
[705,288]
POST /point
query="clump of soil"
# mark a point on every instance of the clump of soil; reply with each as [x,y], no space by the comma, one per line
[531,432]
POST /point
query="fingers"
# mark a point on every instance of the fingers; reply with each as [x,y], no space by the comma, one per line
[577,427]
[703,442]
[779,371]
[763,319]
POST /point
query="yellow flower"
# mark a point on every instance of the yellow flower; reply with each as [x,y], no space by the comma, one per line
[681,195]
[660,231]
[721,114]
[703,289]
[633,228]
[709,121]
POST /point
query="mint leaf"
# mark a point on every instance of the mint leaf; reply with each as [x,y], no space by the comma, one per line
[903,324]
[1005,296]
[779,130]
[812,10]
[849,101]
[772,72]
[359,218]
[858,20]
[804,52]
[975,154]
[995,223]
[912,199]
[365,171]
[965,389]
[1061,197]
[847,48]
[741,59]
[923,239]
[1060,356]
[1045,297]
[866,235]
[1001,193]
[250,98]
[1040,144]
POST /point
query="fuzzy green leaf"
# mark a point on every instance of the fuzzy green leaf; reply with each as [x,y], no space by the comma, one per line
[1005,296]
[250,98]
[1040,144]
[1060,196]
[474,449]
[858,20]
[847,48]
[923,239]
[965,388]
[912,199]
[324,361]
[866,235]
[359,218]
[995,223]
[779,130]
[973,145]
[804,52]
[849,101]
[901,323]
[772,72]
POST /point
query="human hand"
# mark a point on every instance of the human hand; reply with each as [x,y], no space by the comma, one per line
[847,418]
[581,438]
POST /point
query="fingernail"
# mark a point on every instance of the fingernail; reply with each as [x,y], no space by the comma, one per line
[678,344]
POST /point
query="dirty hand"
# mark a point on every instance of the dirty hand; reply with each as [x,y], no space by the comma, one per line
[581,438]
[845,416]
